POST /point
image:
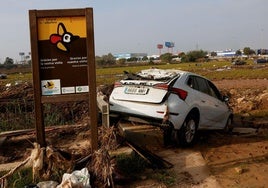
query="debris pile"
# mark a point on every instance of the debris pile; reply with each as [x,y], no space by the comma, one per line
[44,163]
[16,91]
[247,100]
[47,162]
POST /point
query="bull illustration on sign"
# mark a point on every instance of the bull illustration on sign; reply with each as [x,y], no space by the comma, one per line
[62,38]
[49,85]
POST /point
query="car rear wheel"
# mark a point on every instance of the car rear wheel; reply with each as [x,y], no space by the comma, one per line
[187,133]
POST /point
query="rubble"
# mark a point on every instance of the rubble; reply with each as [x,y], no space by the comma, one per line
[239,170]
[246,100]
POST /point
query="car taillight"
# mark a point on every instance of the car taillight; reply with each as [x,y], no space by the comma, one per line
[117,84]
[180,92]
[161,86]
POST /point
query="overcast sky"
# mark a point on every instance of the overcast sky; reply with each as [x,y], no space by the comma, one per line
[130,26]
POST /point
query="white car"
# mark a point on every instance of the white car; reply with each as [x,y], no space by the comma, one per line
[178,101]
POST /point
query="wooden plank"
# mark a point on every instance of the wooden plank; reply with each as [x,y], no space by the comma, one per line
[40,130]
[65,98]
[104,108]
[93,114]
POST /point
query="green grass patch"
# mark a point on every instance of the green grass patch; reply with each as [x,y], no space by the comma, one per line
[131,165]
[109,75]
[16,78]
[213,70]
[19,114]
[24,177]
[20,179]
[16,115]
[164,177]
[134,166]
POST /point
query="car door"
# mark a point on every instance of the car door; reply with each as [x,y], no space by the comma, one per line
[213,111]
[219,109]
[202,98]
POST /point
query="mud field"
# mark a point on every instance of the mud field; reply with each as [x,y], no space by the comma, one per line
[239,159]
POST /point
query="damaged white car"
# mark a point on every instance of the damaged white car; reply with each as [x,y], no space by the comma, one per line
[178,101]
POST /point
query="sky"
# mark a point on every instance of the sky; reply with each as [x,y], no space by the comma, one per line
[137,26]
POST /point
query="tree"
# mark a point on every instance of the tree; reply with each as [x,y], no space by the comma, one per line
[238,53]
[121,61]
[247,51]
[181,54]
[8,61]
[167,57]
[184,59]
[213,54]
[144,58]
[132,59]
[105,60]
[195,55]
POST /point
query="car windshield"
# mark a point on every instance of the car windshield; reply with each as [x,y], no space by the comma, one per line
[152,74]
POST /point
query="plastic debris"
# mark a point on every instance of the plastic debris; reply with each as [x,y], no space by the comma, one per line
[47,184]
[78,178]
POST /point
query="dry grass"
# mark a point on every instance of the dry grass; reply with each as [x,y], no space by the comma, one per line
[101,165]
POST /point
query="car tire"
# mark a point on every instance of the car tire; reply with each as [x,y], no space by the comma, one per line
[167,136]
[229,125]
[187,133]
[175,137]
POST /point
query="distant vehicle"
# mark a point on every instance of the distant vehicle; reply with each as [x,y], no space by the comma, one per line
[3,76]
[261,61]
[180,102]
[239,62]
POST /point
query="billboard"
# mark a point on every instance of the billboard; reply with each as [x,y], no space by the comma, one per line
[159,46]
[169,44]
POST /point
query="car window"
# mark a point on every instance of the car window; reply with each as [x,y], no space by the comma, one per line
[202,85]
[191,82]
[214,91]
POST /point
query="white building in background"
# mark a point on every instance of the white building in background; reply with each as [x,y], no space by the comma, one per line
[139,56]
[153,56]
[226,53]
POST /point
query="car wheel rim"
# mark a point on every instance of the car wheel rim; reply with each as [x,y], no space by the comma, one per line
[190,131]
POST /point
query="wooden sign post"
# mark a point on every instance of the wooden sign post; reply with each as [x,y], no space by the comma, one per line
[63,62]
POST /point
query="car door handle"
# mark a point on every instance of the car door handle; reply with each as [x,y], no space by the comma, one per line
[203,101]
[216,105]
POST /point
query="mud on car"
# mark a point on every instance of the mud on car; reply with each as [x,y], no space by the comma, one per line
[180,102]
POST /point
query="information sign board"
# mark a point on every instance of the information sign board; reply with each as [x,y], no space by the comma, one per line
[63,61]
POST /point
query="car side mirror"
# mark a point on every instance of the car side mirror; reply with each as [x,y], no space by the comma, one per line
[225,99]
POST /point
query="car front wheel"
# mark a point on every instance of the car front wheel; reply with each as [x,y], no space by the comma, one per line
[229,125]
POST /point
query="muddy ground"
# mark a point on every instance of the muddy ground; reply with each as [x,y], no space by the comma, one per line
[235,160]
